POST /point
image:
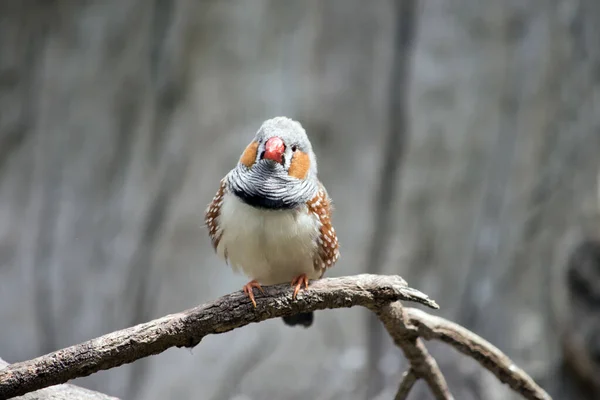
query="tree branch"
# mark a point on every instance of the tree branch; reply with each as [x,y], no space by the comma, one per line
[422,364]
[490,357]
[62,392]
[409,378]
[380,294]
[187,328]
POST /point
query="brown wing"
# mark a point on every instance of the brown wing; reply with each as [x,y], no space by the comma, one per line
[328,252]
[211,216]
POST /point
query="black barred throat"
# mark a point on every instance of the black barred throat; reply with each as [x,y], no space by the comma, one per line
[270,188]
[259,201]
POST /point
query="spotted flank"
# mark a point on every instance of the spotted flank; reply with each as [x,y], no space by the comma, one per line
[211,216]
[328,246]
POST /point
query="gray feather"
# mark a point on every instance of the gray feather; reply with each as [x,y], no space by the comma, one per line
[269,181]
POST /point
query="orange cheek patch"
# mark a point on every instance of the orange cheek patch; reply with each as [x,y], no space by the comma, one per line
[249,156]
[299,165]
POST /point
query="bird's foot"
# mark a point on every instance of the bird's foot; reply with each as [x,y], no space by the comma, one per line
[298,281]
[248,290]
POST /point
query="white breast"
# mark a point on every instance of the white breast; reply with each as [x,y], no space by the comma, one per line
[271,246]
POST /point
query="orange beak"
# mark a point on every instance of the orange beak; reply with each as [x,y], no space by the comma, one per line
[274,148]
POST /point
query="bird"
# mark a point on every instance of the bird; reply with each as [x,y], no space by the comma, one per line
[271,216]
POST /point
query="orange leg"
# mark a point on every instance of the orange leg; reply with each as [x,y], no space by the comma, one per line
[248,290]
[298,281]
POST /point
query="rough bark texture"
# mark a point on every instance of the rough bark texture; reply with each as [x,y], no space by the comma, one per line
[430,327]
[421,362]
[61,392]
[188,328]
[119,117]
[380,294]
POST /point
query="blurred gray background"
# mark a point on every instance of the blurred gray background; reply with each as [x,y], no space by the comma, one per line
[459,139]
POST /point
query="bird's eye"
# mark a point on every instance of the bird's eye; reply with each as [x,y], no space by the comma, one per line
[294,148]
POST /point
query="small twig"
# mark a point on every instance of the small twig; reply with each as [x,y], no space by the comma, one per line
[408,381]
[490,357]
[423,365]
[187,328]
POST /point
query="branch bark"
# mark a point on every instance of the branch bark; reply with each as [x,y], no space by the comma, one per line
[422,364]
[490,357]
[381,294]
[187,328]
[408,381]
[62,392]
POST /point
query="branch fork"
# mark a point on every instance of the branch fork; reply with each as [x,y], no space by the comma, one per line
[381,294]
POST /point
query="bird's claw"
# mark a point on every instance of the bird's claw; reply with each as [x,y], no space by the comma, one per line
[298,281]
[248,290]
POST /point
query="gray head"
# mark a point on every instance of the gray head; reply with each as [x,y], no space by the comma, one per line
[278,169]
[284,145]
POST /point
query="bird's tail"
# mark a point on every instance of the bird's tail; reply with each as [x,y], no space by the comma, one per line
[304,319]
